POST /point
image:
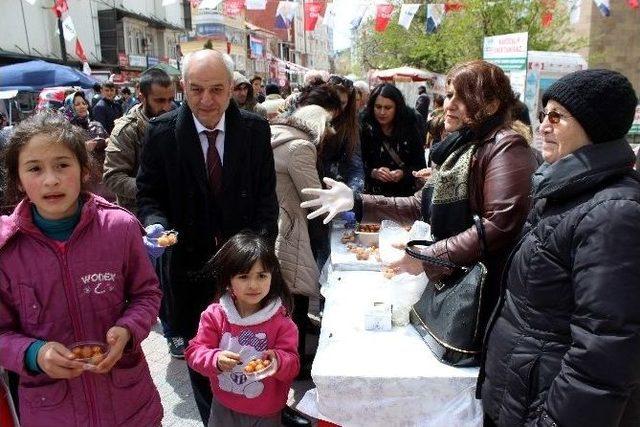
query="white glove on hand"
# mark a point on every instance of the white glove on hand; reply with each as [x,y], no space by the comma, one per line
[337,198]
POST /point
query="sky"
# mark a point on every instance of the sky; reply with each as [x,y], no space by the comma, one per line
[346,10]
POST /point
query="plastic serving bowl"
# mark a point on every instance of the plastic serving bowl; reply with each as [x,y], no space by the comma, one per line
[367,238]
[263,373]
[169,233]
[86,351]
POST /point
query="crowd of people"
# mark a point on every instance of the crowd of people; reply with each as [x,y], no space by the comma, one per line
[249,181]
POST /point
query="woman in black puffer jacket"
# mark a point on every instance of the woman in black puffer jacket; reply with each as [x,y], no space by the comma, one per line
[564,349]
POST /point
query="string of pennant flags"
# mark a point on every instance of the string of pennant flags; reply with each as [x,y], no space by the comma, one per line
[325,11]
[313,10]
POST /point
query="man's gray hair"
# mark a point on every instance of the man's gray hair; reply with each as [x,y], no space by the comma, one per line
[226,59]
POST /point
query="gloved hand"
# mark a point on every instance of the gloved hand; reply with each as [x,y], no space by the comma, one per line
[337,198]
[153,232]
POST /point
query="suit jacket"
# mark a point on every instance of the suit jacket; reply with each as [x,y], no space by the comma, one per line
[173,190]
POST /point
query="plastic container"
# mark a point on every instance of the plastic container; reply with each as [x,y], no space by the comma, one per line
[166,239]
[263,373]
[400,314]
[367,237]
[91,352]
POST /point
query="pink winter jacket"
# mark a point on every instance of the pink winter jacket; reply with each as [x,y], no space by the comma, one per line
[101,277]
[222,328]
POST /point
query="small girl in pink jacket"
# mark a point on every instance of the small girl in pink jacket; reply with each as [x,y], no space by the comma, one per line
[251,321]
[73,268]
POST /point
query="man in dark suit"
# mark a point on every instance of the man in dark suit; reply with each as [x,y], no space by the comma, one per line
[206,170]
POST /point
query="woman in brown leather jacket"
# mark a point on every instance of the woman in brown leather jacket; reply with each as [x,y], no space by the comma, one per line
[485,166]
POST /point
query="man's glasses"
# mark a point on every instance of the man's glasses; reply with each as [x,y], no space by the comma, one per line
[553,116]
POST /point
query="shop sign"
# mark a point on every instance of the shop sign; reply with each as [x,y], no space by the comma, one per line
[137,61]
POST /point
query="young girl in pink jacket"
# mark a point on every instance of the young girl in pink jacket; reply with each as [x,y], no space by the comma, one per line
[251,321]
[73,268]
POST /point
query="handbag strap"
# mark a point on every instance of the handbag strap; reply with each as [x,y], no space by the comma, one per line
[441,262]
[396,158]
[484,248]
[422,257]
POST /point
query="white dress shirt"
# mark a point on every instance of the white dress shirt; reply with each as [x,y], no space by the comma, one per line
[204,141]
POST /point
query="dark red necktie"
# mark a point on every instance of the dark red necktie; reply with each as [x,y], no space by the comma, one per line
[214,165]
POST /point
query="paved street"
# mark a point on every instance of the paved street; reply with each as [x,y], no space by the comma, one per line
[171,379]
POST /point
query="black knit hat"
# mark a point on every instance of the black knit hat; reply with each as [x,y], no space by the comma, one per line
[602,101]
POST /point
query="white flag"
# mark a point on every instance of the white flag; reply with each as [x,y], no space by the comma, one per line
[329,16]
[86,69]
[255,4]
[358,14]
[209,4]
[169,2]
[68,30]
[604,7]
[407,12]
[285,13]
[435,13]
[574,7]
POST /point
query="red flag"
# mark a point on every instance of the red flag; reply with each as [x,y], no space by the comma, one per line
[547,12]
[233,7]
[383,16]
[634,4]
[60,7]
[311,13]
[453,7]
[80,51]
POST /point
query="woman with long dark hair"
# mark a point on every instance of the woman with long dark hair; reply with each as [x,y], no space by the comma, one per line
[392,136]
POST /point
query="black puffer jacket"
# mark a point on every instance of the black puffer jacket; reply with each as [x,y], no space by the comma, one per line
[565,348]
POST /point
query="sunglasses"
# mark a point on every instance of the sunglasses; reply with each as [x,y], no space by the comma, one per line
[553,116]
[337,80]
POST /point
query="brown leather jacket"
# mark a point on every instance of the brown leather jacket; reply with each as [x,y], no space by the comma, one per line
[501,171]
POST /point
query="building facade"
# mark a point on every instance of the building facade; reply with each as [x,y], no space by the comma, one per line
[612,42]
[131,33]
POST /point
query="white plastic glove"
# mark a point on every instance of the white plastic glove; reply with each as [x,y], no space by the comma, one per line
[337,198]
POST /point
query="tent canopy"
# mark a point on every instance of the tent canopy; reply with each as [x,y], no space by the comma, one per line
[34,76]
[414,74]
[171,70]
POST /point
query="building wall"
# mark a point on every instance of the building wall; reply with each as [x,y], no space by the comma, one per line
[41,24]
[613,42]
[40,38]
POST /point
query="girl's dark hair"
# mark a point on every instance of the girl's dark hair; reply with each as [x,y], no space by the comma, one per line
[238,255]
[58,129]
[478,84]
[323,95]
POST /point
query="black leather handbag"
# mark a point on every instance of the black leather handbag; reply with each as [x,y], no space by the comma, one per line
[448,313]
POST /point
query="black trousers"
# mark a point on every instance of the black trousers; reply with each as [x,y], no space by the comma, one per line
[166,304]
[301,319]
[488,422]
[202,394]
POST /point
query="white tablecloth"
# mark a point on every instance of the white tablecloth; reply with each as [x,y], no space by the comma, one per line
[367,378]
